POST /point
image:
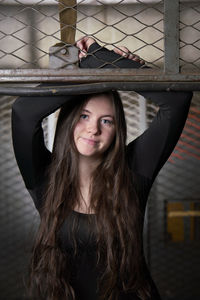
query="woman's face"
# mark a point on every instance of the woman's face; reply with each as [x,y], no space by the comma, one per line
[95,130]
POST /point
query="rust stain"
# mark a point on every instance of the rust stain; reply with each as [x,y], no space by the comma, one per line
[194,109]
[193,125]
[189,146]
[177,155]
[194,117]
[188,153]
[188,129]
[183,135]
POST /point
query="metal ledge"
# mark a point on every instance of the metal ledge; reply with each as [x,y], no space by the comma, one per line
[96,87]
[94,75]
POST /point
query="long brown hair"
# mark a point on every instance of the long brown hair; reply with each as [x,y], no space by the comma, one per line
[118,218]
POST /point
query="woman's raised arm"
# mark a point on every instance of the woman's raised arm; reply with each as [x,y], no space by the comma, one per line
[148,153]
[31,154]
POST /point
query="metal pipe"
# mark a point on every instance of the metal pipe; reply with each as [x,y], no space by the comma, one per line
[97,87]
[95,75]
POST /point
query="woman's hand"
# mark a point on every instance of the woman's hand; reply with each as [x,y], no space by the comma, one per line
[123,51]
[83,44]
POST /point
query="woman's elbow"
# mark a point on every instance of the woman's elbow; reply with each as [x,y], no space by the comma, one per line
[187,97]
[184,99]
[17,106]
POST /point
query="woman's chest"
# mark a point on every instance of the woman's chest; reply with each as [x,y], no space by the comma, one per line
[78,232]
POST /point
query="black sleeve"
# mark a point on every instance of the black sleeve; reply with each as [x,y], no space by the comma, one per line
[31,154]
[148,153]
[100,57]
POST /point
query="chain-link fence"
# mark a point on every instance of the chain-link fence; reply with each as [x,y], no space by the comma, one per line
[174,216]
[16,214]
[30,28]
[151,29]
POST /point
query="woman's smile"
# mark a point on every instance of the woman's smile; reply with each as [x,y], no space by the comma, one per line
[89,141]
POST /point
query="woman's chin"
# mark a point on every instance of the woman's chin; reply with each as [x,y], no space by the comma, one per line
[90,154]
[88,151]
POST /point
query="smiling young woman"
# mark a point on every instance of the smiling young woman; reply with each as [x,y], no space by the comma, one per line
[91,191]
[95,131]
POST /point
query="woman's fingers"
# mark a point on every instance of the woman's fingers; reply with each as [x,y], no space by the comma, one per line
[138,59]
[123,51]
[83,44]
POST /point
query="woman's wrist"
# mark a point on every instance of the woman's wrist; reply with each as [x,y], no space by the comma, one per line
[89,42]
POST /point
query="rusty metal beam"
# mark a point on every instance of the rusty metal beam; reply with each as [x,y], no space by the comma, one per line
[95,88]
[95,75]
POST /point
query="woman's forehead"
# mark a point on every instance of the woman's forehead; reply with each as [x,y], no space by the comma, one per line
[102,104]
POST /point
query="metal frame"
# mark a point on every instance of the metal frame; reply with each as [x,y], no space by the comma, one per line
[171,29]
[169,79]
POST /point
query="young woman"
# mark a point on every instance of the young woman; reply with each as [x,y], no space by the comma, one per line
[91,191]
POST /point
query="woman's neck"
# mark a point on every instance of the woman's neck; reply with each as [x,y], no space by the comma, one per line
[86,168]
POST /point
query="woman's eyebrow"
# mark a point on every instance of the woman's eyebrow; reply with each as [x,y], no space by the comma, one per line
[86,110]
[110,116]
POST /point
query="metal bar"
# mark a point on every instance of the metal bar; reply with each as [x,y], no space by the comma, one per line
[32,35]
[171,40]
[188,213]
[89,2]
[93,75]
[68,18]
[81,2]
[95,88]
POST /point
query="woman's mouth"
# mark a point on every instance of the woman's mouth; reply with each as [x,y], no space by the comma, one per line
[90,141]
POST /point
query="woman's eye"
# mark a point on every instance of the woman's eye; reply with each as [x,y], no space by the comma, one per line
[83,116]
[107,122]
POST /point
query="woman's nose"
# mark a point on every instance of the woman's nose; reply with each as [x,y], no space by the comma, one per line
[94,127]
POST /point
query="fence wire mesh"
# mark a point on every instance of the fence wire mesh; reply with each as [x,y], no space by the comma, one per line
[16,214]
[189,35]
[30,28]
[174,216]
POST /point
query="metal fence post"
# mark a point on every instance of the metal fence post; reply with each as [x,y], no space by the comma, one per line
[171,38]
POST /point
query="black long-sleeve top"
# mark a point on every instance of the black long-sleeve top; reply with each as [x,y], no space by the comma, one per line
[146,155]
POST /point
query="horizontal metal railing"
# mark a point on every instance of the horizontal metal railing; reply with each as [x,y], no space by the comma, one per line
[170,74]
